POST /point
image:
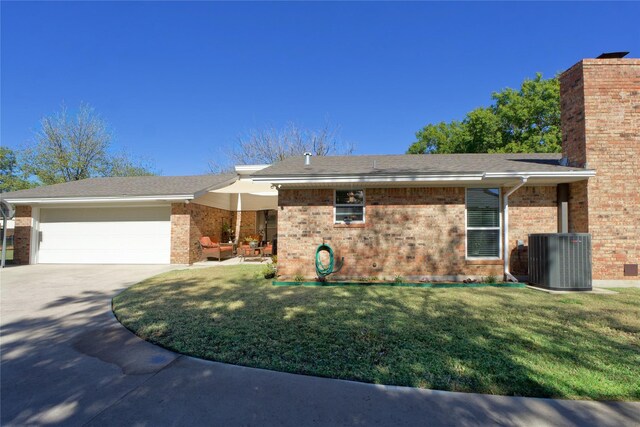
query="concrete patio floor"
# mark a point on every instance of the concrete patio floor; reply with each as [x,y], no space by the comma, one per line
[231,261]
[66,360]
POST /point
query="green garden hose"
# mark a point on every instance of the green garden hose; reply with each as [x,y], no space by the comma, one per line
[322,270]
[325,270]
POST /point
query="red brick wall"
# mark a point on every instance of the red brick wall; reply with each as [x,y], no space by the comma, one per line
[601,125]
[579,207]
[572,116]
[189,222]
[22,235]
[412,232]
[207,221]
[531,210]
[247,224]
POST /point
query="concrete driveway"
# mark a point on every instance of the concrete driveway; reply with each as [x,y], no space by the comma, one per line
[66,360]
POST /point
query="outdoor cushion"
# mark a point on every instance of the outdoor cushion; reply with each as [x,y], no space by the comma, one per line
[207,243]
[214,250]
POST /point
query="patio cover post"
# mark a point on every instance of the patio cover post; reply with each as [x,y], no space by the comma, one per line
[238,217]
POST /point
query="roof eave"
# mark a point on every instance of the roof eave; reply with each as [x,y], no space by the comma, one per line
[105,199]
[386,178]
[582,173]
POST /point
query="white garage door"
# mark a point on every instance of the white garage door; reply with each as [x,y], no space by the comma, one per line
[105,235]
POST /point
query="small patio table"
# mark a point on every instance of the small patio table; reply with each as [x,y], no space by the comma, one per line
[257,252]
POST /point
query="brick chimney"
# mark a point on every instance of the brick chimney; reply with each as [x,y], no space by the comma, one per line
[600,116]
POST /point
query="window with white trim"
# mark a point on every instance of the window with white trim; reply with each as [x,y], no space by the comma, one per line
[483,223]
[349,206]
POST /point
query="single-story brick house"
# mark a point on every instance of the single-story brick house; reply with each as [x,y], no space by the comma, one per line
[439,216]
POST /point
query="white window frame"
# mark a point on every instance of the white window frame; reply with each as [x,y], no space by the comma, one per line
[466,226]
[335,204]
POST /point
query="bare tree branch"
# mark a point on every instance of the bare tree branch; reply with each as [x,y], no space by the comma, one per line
[270,145]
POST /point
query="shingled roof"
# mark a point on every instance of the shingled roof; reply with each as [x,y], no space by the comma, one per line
[437,164]
[135,186]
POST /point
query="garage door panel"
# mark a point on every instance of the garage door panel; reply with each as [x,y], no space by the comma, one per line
[73,256]
[105,235]
[104,214]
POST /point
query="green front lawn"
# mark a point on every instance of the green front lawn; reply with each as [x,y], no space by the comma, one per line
[486,340]
[9,254]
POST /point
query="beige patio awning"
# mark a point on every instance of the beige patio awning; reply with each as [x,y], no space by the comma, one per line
[247,186]
[244,194]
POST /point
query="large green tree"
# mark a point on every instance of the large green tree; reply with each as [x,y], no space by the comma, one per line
[11,176]
[73,148]
[518,121]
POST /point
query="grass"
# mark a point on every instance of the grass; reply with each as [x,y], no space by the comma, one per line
[9,254]
[486,340]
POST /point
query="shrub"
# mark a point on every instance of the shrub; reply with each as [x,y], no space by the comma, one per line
[269,271]
[298,278]
[490,279]
[398,279]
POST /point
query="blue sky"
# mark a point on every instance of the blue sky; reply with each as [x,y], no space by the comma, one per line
[179,82]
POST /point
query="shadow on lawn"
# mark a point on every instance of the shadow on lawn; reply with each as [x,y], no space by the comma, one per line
[440,339]
[47,379]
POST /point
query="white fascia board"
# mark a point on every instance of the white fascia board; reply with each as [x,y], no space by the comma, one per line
[564,174]
[368,178]
[52,200]
[419,178]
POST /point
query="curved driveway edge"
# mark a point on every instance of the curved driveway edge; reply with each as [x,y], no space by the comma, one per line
[66,360]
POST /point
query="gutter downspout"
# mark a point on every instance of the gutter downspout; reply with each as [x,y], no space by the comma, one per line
[505,209]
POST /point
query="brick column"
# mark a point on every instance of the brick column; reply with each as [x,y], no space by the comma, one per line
[22,235]
[600,113]
[180,234]
[189,222]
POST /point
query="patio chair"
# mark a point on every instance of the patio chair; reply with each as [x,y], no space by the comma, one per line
[212,249]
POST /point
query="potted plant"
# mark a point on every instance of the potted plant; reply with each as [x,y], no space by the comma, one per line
[252,240]
[227,233]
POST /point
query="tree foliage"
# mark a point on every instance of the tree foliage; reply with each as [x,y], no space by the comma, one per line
[518,121]
[73,148]
[12,177]
[270,145]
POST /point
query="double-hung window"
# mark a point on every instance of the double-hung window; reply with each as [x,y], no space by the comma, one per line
[349,206]
[483,223]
